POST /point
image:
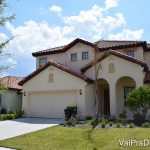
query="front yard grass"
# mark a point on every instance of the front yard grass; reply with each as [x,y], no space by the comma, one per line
[63,138]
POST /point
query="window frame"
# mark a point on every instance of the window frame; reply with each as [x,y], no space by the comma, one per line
[130,52]
[83,58]
[71,57]
[41,64]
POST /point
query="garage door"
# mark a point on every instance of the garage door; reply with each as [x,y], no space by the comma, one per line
[50,105]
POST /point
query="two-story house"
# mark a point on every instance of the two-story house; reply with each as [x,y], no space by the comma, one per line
[66,76]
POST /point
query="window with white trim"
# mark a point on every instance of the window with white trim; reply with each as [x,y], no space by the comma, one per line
[42,61]
[74,57]
[130,53]
[85,55]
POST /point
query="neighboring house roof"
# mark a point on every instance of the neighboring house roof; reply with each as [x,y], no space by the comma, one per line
[101,45]
[147,77]
[121,55]
[11,82]
[61,49]
[59,66]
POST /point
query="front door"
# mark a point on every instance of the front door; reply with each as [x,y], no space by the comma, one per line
[106,102]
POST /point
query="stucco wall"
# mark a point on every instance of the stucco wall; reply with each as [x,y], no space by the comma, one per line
[65,58]
[11,100]
[89,99]
[122,68]
[62,82]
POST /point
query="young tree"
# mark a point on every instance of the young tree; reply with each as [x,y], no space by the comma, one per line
[3,20]
[138,101]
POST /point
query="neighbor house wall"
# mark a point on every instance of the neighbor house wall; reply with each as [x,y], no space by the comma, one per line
[10,100]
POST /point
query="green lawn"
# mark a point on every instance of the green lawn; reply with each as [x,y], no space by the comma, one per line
[62,138]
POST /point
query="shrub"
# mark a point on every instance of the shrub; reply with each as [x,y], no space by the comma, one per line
[104,120]
[88,117]
[138,101]
[118,125]
[3,111]
[122,115]
[103,124]
[18,113]
[110,123]
[7,117]
[94,122]
[131,125]
[146,125]
[71,122]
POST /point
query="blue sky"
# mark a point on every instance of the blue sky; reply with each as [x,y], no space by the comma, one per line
[49,23]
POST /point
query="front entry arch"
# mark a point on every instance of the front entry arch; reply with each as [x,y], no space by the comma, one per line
[124,85]
[103,97]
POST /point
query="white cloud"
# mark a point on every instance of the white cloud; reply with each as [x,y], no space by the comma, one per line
[55,8]
[127,34]
[94,22]
[11,62]
[32,36]
[111,3]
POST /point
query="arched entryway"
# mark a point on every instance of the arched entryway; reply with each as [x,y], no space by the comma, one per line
[124,85]
[103,97]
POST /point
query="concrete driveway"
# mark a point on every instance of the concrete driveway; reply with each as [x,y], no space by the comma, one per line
[12,128]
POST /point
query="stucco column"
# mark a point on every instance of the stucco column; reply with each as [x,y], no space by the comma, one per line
[113,99]
[139,83]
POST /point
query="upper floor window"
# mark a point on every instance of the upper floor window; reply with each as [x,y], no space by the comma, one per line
[74,57]
[42,61]
[85,55]
[130,53]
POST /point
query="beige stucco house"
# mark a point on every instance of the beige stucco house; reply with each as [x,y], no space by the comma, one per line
[11,98]
[66,76]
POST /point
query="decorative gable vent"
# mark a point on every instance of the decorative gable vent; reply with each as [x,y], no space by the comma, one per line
[51,78]
[111,68]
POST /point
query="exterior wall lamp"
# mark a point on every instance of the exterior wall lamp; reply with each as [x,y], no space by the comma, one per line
[80,92]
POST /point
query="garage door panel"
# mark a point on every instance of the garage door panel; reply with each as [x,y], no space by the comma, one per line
[50,105]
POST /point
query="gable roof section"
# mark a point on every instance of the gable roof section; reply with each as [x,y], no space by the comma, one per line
[61,49]
[11,82]
[102,45]
[108,44]
[59,66]
[121,55]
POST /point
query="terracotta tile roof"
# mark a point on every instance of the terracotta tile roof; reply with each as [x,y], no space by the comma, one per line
[60,66]
[147,77]
[108,44]
[61,49]
[11,82]
[121,55]
[102,45]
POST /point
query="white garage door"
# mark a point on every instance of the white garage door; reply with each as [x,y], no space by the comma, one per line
[50,105]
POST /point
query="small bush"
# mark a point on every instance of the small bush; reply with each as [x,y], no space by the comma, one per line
[146,125]
[104,120]
[131,125]
[18,113]
[7,117]
[88,117]
[3,111]
[94,122]
[71,122]
[122,115]
[118,125]
[110,124]
[103,124]
[122,121]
